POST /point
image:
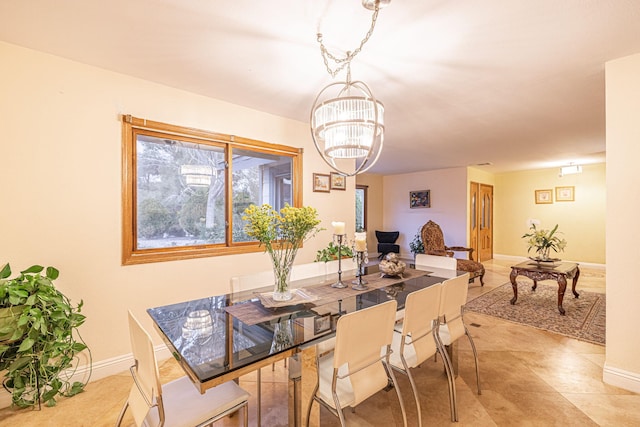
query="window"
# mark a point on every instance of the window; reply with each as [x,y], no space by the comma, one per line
[361,207]
[185,190]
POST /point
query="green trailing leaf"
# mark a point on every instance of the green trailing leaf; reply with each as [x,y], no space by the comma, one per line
[5,272]
[34,269]
[52,273]
[43,345]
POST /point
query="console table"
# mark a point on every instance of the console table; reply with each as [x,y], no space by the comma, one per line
[559,271]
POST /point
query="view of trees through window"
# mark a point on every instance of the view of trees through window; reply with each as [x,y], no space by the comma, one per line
[181,190]
[185,191]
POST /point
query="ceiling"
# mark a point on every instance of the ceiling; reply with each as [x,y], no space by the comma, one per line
[518,84]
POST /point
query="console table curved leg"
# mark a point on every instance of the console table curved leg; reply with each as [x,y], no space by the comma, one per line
[535,285]
[562,286]
[575,281]
[514,285]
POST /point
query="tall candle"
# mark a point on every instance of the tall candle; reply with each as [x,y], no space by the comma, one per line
[338,227]
[360,242]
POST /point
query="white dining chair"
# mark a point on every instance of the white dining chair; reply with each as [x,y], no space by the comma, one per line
[177,403]
[451,324]
[417,340]
[439,266]
[358,366]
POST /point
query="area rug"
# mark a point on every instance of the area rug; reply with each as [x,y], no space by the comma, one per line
[584,319]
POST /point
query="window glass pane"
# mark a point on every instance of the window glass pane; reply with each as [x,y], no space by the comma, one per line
[360,223]
[180,193]
[258,178]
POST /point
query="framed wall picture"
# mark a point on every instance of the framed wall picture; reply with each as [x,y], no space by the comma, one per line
[544,196]
[565,194]
[321,183]
[420,199]
[338,182]
[321,323]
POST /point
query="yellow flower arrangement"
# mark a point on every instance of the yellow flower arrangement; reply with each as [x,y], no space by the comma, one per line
[282,233]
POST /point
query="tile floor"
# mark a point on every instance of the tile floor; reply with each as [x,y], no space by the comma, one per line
[529,378]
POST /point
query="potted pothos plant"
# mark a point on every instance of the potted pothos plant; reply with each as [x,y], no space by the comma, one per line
[39,338]
[330,253]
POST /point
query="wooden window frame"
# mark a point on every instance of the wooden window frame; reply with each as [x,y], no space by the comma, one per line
[131,126]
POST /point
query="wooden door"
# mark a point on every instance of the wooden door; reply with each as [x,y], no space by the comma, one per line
[481,221]
[485,231]
[474,200]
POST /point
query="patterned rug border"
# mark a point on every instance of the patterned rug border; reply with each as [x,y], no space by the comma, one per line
[584,320]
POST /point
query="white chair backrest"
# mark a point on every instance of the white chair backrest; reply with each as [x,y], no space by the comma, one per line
[421,309]
[252,281]
[435,261]
[147,386]
[454,296]
[347,265]
[439,266]
[360,337]
[304,271]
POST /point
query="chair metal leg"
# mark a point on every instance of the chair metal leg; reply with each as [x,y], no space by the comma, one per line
[395,385]
[313,395]
[340,414]
[475,358]
[122,412]
[414,388]
[448,367]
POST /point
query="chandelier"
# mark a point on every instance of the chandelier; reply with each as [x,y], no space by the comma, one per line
[347,121]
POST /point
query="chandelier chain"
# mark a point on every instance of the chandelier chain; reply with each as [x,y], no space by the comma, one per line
[341,63]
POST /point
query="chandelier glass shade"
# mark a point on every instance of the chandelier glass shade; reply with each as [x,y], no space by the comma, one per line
[347,122]
[348,125]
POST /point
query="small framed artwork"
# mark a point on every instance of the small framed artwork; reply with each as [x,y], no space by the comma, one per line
[338,182]
[321,323]
[544,196]
[565,194]
[420,199]
[321,182]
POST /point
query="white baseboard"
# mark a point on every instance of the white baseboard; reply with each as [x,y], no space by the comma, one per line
[102,369]
[621,378]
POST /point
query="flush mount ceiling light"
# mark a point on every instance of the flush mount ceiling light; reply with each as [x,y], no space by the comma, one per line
[347,121]
[569,170]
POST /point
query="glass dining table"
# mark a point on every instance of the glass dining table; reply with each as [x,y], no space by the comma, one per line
[220,338]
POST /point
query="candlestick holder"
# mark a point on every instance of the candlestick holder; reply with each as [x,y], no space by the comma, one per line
[361,259]
[339,283]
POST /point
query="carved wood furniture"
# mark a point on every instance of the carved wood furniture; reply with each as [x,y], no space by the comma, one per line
[433,241]
[559,271]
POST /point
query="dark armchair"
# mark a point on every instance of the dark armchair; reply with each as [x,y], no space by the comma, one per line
[386,242]
[433,241]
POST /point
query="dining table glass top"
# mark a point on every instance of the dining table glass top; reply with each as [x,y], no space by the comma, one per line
[218,335]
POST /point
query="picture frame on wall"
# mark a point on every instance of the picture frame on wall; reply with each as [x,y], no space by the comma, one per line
[565,194]
[420,199]
[544,196]
[321,183]
[338,182]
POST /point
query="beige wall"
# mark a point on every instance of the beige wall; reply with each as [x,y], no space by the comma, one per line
[582,221]
[622,365]
[448,205]
[61,187]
